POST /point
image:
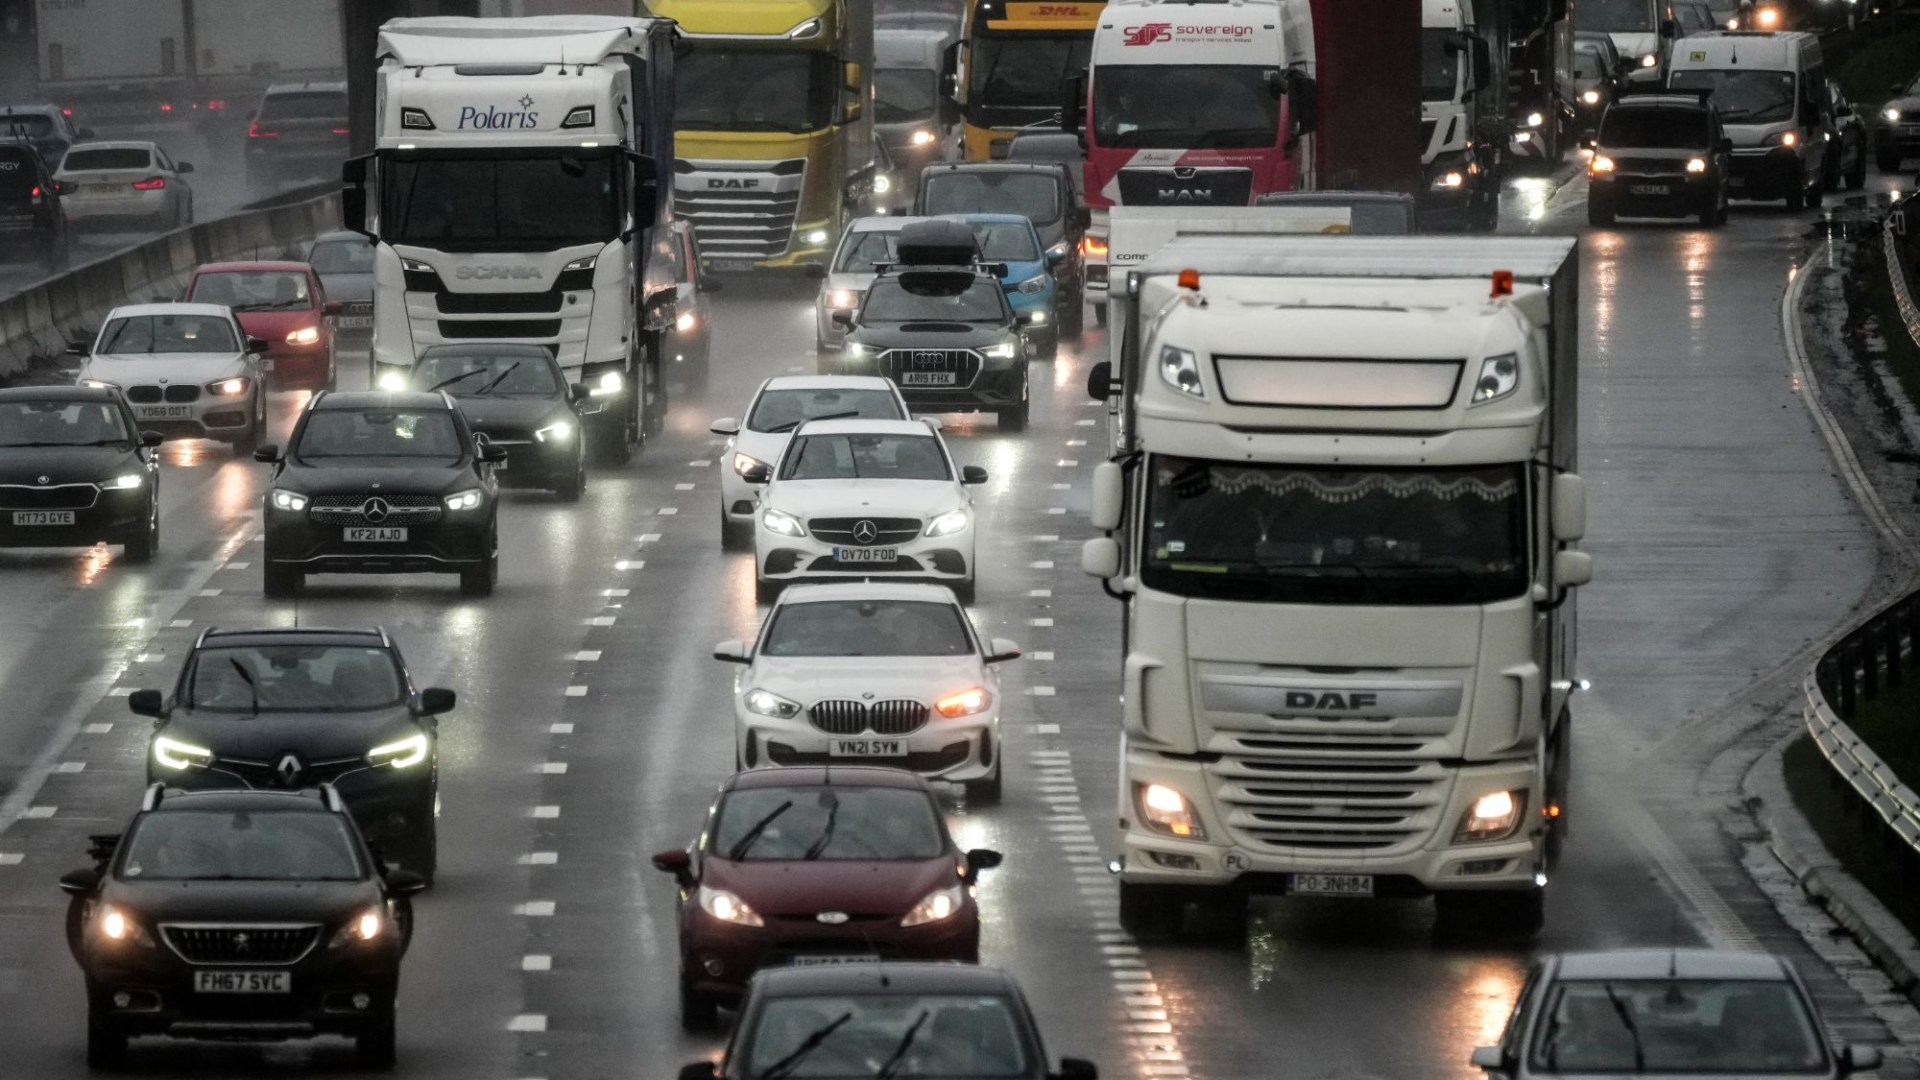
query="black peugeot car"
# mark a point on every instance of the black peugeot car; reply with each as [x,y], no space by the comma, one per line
[516,396]
[382,483]
[939,325]
[253,915]
[1659,155]
[289,708]
[76,470]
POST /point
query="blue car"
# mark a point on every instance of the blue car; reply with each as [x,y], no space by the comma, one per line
[1030,284]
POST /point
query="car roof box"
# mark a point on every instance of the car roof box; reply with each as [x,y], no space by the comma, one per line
[936,243]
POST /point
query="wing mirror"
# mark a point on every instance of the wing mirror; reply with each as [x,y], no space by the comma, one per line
[1100,557]
[757,474]
[183,167]
[80,882]
[843,319]
[256,345]
[79,348]
[813,270]
[1077,1069]
[493,455]
[1100,382]
[1569,511]
[1572,569]
[1056,254]
[973,474]
[699,1070]
[152,439]
[1487,1057]
[404,883]
[1109,496]
[1025,318]
[1856,1057]
[269,454]
[980,859]
[1003,651]
[732,651]
[147,703]
[435,700]
[726,425]
[577,393]
[677,862]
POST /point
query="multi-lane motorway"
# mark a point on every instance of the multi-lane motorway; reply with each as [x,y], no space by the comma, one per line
[593,725]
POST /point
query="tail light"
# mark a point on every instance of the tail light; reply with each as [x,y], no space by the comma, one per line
[166,106]
[254,132]
[66,112]
[151,183]
[339,131]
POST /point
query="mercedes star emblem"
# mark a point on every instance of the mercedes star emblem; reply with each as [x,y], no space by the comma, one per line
[865,532]
[832,918]
[288,769]
[375,510]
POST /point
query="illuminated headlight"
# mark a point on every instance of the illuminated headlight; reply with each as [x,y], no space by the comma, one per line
[400,754]
[726,907]
[1449,180]
[360,929]
[174,754]
[96,384]
[1590,97]
[767,703]
[584,263]
[1180,369]
[1006,350]
[117,925]
[685,322]
[227,387]
[882,183]
[1033,285]
[391,381]
[815,237]
[469,499]
[1600,163]
[854,348]
[951,522]
[609,383]
[969,702]
[842,298]
[288,500]
[1892,115]
[1696,165]
[936,906]
[781,523]
[1534,119]
[1649,60]
[923,138]
[1036,318]
[743,462]
[306,335]
[1784,138]
[1166,810]
[555,433]
[1498,377]
[1492,817]
[124,482]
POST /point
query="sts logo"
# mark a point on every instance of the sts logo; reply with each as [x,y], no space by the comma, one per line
[1147,34]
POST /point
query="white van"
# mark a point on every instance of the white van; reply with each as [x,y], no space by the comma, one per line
[1770,88]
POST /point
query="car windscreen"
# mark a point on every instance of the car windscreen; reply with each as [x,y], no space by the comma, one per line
[784,410]
[1654,129]
[867,628]
[62,423]
[486,374]
[1616,16]
[1745,96]
[305,105]
[493,202]
[19,179]
[1588,63]
[931,298]
[240,845]
[865,457]
[978,1036]
[1033,195]
[903,95]
[81,159]
[23,126]
[342,257]
[830,823]
[863,249]
[1006,241]
[253,290]
[379,433]
[292,678]
[1732,1027]
[145,334]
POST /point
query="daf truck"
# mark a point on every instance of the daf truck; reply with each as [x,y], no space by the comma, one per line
[774,126]
[1012,66]
[1343,521]
[514,195]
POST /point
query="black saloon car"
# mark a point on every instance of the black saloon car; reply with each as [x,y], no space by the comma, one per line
[252,915]
[33,225]
[1658,155]
[516,396]
[290,708]
[382,483]
[76,470]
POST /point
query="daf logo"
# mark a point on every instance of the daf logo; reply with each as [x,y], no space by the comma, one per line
[732,183]
[375,510]
[493,273]
[1332,700]
[242,942]
[288,769]
[928,358]
[832,918]
[865,532]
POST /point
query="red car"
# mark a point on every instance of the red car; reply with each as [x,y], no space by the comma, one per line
[816,866]
[283,304]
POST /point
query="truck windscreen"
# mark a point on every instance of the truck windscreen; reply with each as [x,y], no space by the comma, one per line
[742,90]
[902,95]
[1185,107]
[1024,70]
[477,202]
[1287,534]
[1440,54]
[1615,16]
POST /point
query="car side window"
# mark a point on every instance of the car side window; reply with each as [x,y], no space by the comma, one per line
[1512,1039]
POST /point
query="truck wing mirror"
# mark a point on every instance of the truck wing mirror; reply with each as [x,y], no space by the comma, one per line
[1572,569]
[1481,59]
[1109,495]
[1100,557]
[1100,383]
[1303,103]
[1073,111]
[353,196]
[1569,508]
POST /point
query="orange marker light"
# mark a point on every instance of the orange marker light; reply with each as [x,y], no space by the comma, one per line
[1190,279]
[1502,283]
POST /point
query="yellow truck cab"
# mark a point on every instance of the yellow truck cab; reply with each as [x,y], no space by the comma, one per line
[773,136]
[1012,65]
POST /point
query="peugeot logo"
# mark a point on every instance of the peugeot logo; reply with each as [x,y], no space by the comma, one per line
[46,479]
[375,510]
[832,918]
[865,532]
[242,942]
[289,769]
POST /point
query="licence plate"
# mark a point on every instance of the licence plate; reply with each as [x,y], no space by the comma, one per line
[1330,884]
[355,322]
[43,517]
[928,378]
[733,266]
[830,961]
[163,412]
[365,535]
[868,748]
[841,554]
[243,982]
[1651,189]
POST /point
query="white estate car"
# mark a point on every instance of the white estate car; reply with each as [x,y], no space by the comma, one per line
[879,673]
[779,406]
[125,185]
[188,370]
[865,498]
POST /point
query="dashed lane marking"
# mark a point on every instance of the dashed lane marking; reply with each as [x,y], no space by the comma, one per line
[11,858]
[614,592]
[701,464]
[1039,691]
[180,624]
[602,620]
[1039,593]
[586,656]
[122,691]
[540,858]
[537,909]
[683,487]
[97,729]
[209,592]
[536,962]
[528,1022]
[1040,564]
[630,564]
[553,768]
[70,767]
[546,811]
[576,691]
[1067,463]
[560,729]
[647,538]
[668,511]
[1039,622]
[1045,538]
[1042,656]
[41,811]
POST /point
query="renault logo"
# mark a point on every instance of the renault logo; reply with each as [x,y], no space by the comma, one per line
[375,510]
[865,532]
[289,769]
[832,918]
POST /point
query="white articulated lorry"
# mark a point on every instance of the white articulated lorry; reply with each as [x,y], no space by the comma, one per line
[1342,521]
[514,192]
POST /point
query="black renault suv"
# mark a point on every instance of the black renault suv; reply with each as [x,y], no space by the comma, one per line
[287,708]
[1659,155]
[253,915]
[382,483]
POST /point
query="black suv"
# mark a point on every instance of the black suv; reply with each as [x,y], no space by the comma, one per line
[1659,155]
[939,325]
[518,399]
[32,223]
[299,130]
[76,470]
[47,127]
[382,483]
[1043,191]
[290,708]
[257,915]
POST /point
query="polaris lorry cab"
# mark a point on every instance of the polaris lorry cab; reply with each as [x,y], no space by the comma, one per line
[1771,90]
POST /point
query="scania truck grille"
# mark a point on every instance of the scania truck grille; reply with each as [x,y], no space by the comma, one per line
[740,210]
[1330,806]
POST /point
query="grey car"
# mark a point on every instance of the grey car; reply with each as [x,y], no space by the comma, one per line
[867,242]
[1667,1012]
[344,263]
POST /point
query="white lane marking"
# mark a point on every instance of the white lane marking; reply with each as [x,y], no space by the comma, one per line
[630,564]
[1049,754]
[700,464]
[180,623]
[683,487]
[1046,729]
[1039,622]
[546,811]
[236,566]
[576,691]
[1040,564]
[1085,423]
[1060,487]
[647,538]
[540,858]
[1045,538]
[1042,656]
[553,768]
[560,729]
[41,811]
[1076,442]
[536,962]
[668,511]
[534,908]
[209,592]
[1040,691]
[587,656]
[97,729]
[528,1022]
[1039,593]
[70,767]
[602,620]
[614,592]
[122,691]
[1067,463]
[1056,509]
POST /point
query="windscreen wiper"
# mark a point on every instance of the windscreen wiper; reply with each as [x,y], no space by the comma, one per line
[808,420]
[497,379]
[826,831]
[1633,1029]
[444,383]
[885,1071]
[247,677]
[785,1066]
[741,846]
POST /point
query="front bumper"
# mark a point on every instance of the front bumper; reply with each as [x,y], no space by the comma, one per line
[1902,138]
[798,558]
[998,384]
[208,418]
[717,958]
[959,749]
[1657,195]
[738,499]
[534,464]
[1771,173]
[449,545]
[161,1000]
[110,518]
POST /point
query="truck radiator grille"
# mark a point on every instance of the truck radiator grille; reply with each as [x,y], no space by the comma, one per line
[457,329]
[1290,803]
[743,222]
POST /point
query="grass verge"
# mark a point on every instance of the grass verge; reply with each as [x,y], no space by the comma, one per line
[1843,825]
[1903,354]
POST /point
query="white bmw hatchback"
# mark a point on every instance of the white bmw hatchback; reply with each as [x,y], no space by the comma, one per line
[865,498]
[871,673]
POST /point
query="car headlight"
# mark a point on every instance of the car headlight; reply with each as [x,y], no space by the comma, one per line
[227,387]
[948,523]
[118,926]
[768,703]
[306,335]
[1600,163]
[1892,115]
[362,928]
[391,381]
[558,432]
[685,322]
[288,500]
[1450,180]
[842,298]
[1034,285]
[125,482]
[923,138]
[969,702]
[1492,817]
[609,383]
[854,349]
[743,462]
[469,499]
[401,753]
[1006,350]
[815,237]
[1648,60]
[174,754]
[1180,369]
[726,907]
[1696,165]
[936,906]
[1535,119]
[96,384]
[1499,375]
[882,183]
[1590,97]
[782,523]
[1784,138]
[1166,810]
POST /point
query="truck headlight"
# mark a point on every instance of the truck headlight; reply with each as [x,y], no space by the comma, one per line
[882,183]
[1180,369]
[469,499]
[1163,809]
[1535,119]
[854,349]
[727,907]
[1784,138]
[586,262]
[923,138]
[936,906]
[401,753]
[1492,817]
[1600,163]
[1648,60]
[1499,375]
[288,500]
[768,703]
[174,754]
[685,322]
[815,237]
[948,523]
[607,384]
[781,523]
